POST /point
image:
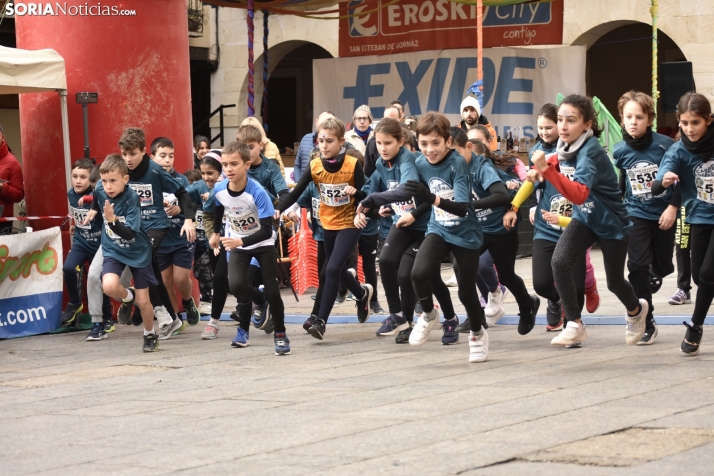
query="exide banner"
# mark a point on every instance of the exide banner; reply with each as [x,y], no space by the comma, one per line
[420,25]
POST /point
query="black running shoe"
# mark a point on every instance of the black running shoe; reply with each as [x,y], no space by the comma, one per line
[363,305]
[108,325]
[690,344]
[552,314]
[235,317]
[650,334]
[403,336]
[124,313]
[376,307]
[136,317]
[317,330]
[464,327]
[71,312]
[309,322]
[527,323]
[151,342]
[192,315]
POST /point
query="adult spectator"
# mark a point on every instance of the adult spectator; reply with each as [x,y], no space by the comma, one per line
[302,159]
[12,188]
[270,150]
[371,155]
[398,104]
[361,131]
[471,115]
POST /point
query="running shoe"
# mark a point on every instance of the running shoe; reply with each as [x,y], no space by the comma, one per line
[340,298]
[151,342]
[242,338]
[317,330]
[483,302]
[210,332]
[592,299]
[162,315]
[234,315]
[424,325]
[452,282]
[180,329]
[450,336]
[376,307]
[167,330]
[392,325]
[204,308]
[478,346]
[527,323]
[260,313]
[363,307]
[655,283]
[124,313]
[572,334]
[635,328]
[71,312]
[192,315]
[282,344]
[650,334]
[692,339]
[495,301]
[403,336]
[464,327]
[309,322]
[108,325]
[554,316]
[680,297]
[417,308]
[97,332]
[136,317]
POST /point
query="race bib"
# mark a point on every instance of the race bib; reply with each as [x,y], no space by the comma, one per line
[145,192]
[79,215]
[561,206]
[441,215]
[333,195]
[110,233]
[199,219]
[243,223]
[705,189]
[316,210]
[567,171]
[400,208]
[171,200]
[641,177]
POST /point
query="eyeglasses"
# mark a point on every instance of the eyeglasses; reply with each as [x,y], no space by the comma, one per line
[361,119]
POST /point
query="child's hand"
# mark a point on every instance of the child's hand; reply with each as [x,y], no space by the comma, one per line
[277,214]
[405,220]
[385,211]
[669,179]
[550,217]
[80,202]
[231,243]
[534,176]
[293,217]
[668,217]
[360,220]
[513,185]
[190,230]
[173,210]
[215,242]
[204,197]
[90,217]
[350,190]
[539,161]
[510,219]
[108,211]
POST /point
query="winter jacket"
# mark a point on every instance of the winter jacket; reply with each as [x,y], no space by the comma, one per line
[353,138]
[13,190]
[302,159]
[484,122]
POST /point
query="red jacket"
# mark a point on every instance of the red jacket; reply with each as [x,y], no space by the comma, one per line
[12,191]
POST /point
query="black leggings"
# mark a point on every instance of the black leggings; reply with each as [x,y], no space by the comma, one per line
[321,277]
[367,246]
[702,244]
[574,242]
[543,281]
[503,249]
[338,246]
[682,251]
[650,246]
[241,284]
[432,250]
[395,266]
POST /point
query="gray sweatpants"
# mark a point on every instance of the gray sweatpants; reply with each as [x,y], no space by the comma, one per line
[94,285]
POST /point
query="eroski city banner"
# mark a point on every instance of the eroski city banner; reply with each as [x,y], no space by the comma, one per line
[517,82]
[30,283]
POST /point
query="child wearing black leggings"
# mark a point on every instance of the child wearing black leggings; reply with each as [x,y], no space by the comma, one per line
[691,163]
[444,183]
[339,178]
[598,216]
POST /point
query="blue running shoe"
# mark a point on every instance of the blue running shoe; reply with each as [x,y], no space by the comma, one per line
[392,325]
[451,335]
[260,313]
[241,339]
[97,332]
[282,344]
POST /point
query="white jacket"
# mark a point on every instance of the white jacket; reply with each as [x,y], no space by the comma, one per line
[353,138]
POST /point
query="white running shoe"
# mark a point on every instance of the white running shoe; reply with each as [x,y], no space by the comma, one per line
[424,325]
[494,303]
[163,316]
[572,334]
[210,332]
[636,324]
[478,346]
[204,308]
[492,320]
[167,330]
[452,282]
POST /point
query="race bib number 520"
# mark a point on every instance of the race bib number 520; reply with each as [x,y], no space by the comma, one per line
[333,195]
[243,224]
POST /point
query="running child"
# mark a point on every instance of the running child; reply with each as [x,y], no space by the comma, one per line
[598,216]
[198,191]
[175,255]
[201,146]
[690,162]
[339,177]
[125,243]
[638,157]
[249,234]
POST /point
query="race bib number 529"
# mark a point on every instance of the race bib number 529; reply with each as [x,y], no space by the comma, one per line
[146,194]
